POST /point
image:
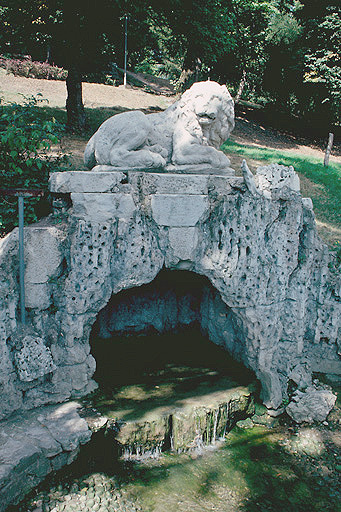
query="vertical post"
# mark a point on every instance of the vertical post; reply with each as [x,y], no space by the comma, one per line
[328,150]
[21,259]
[125,49]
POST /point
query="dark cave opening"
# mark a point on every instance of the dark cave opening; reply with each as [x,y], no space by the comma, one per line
[163,332]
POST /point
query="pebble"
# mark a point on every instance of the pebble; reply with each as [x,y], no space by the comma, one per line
[94,493]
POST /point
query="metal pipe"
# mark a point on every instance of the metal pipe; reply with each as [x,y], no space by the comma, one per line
[21,259]
[125,49]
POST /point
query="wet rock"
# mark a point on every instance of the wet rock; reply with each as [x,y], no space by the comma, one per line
[264,419]
[312,404]
[245,424]
[200,421]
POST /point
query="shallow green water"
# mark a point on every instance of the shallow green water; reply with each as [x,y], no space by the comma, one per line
[251,471]
[140,374]
[258,469]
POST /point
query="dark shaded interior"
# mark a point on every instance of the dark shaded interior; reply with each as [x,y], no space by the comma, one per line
[152,350]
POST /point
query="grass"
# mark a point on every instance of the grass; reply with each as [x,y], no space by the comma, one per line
[255,470]
[327,196]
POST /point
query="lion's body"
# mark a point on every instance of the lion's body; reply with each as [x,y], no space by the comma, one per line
[189,132]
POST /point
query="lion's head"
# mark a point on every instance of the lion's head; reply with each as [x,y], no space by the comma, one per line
[209,110]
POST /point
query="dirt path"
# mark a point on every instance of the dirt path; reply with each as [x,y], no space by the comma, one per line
[13,88]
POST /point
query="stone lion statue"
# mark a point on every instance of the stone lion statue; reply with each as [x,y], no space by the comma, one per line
[187,135]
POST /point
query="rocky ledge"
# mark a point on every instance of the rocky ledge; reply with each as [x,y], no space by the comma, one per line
[35,443]
[38,442]
[196,422]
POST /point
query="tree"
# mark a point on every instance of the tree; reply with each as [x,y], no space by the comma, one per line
[286,50]
[226,37]
[322,58]
[73,32]
[284,62]
[245,61]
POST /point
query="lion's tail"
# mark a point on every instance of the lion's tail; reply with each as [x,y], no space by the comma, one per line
[89,154]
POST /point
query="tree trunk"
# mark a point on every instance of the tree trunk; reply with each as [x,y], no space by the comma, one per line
[197,69]
[241,87]
[185,80]
[76,120]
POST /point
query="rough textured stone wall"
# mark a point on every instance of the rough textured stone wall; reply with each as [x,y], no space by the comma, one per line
[33,445]
[255,240]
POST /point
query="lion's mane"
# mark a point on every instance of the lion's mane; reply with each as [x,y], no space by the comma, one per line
[223,125]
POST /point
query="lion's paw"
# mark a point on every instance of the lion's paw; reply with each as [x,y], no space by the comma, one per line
[223,160]
[153,160]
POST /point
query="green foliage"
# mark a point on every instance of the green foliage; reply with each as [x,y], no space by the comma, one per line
[283,29]
[302,71]
[26,137]
[322,63]
[283,51]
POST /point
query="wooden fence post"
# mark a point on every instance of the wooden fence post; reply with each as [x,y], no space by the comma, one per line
[328,150]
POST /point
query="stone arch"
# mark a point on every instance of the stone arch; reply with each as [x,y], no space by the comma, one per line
[260,252]
[173,300]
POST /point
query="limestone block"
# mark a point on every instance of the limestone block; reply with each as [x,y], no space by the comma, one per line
[275,176]
[183,242]
[37,295]
[34,443]
[70,355]
[102,207]
[221,168]
[43,253]
[66,426]
[326,366]
[11,397]
[155,183]
[309,441]
[307,203]
[223,185]
[37,434]
[313,404]
[84,181]
[33,359]
[178,210]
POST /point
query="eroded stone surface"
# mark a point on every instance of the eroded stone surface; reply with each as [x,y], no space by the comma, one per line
[277,307]
[192,423]
[312,404]
[276,176]
[32,359]
[36,443]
